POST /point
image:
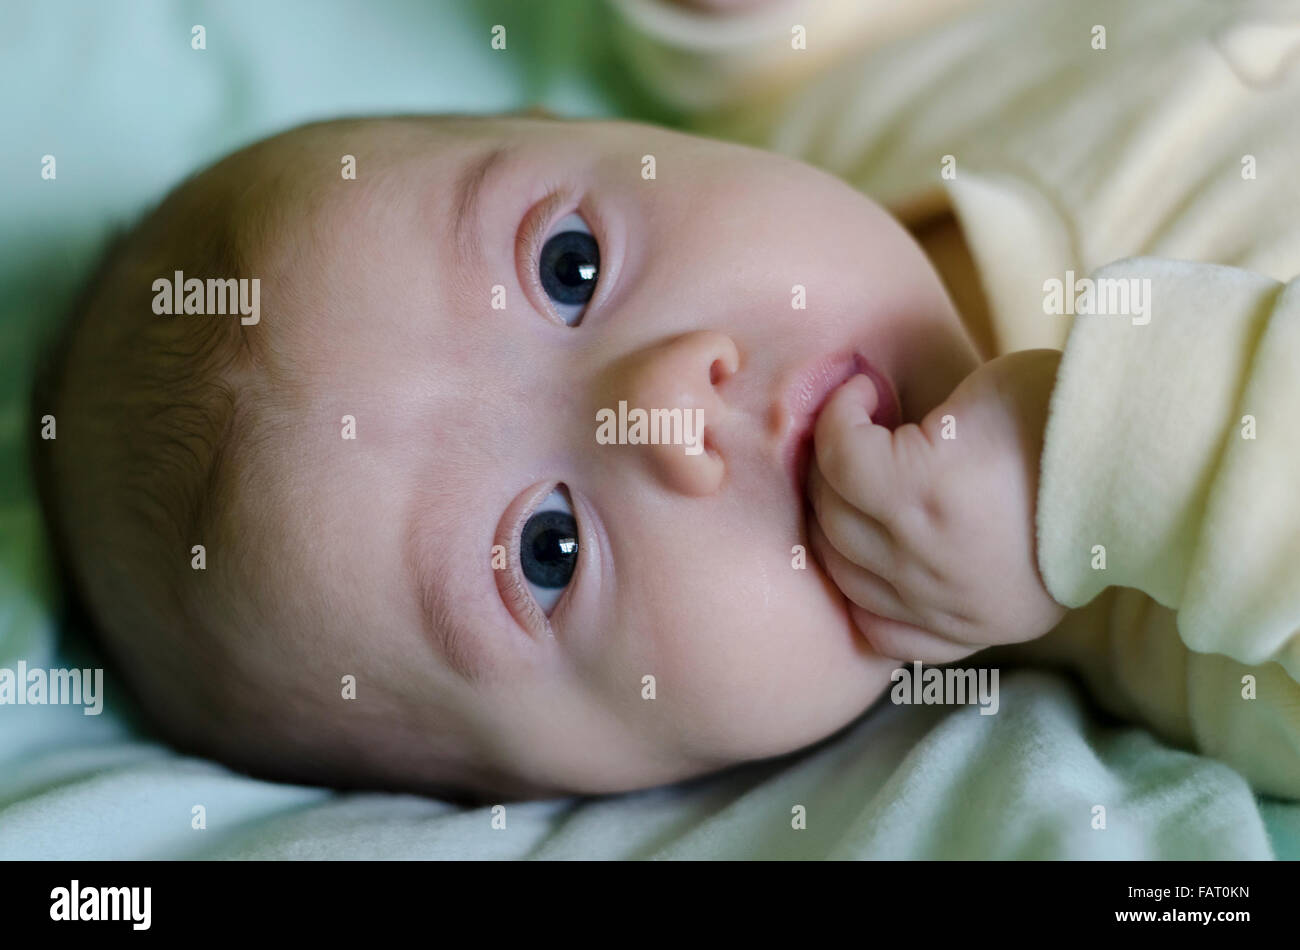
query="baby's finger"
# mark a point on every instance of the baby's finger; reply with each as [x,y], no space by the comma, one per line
[857,584]
[858,536]
[855,455]
[901,641]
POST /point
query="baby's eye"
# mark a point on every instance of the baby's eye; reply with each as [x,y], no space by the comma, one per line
[548,549]
[569,266]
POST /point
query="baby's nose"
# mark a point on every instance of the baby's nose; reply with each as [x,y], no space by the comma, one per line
[667,401]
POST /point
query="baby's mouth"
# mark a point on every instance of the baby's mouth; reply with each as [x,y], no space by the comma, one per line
[809,394]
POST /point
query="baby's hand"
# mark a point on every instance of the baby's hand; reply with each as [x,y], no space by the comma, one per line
[932,538]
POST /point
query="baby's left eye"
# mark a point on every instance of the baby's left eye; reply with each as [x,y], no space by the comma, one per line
[548,550]
[569,267]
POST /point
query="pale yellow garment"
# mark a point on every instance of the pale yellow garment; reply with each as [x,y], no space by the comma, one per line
[1173,452]
[1179,139]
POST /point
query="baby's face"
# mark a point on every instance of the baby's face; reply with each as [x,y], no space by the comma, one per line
[660,620]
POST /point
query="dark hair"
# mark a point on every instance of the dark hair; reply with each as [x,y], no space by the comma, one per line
[143,414]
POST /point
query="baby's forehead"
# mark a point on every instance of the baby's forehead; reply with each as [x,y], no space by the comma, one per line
[361,288]
[368,194]
[332,176]
[362,254]
[391,142]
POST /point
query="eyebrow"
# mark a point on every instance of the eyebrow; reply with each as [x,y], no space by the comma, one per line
[467,194]
[456,642]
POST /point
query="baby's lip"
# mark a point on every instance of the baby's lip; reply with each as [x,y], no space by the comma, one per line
[805,395]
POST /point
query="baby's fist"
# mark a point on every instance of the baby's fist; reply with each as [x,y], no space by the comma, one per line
[929,530]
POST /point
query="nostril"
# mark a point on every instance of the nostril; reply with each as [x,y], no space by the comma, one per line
[717,372]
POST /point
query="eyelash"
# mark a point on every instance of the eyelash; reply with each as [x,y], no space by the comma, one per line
[534,230]
[517,596]
[516,590]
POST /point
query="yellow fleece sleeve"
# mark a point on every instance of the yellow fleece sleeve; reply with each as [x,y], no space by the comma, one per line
[1171,466]
[701,60]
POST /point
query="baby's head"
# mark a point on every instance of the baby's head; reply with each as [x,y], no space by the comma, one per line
[420,566]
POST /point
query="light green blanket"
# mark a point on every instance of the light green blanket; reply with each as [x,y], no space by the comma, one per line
[127,108]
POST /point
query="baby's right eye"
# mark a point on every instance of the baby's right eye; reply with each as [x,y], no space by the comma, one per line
[548,549]
[569,266]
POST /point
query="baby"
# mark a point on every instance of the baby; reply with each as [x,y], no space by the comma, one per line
[333,478]
[371,539]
